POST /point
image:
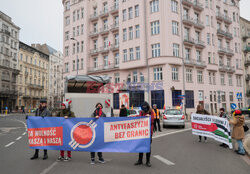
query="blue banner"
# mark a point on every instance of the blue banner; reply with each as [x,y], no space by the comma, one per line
[110,134]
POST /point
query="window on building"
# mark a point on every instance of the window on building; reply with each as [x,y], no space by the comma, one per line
[138,53]
[199,76]
[131,53]
[157,97]
[136,10]
[176,50]
[67,20]
[95,62]
[175,28]
[208,39]
[117,78]
[230,80]
[116,101]
[130,13]
[82,63]
[154,6]
[189,75]
[222,79]
[116,59]
[67,35]
[189,98]
[174,6]
[158,74]
[125,56]
[141,77]
[187,53]
[74,65]
[137,31]
[156,50]
[175,74]
[124,34]
[124,15]
[135,78]
[130,33]
[155,27]
[176,101]
[105,60]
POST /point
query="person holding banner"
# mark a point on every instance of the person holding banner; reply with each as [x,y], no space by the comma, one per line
[202,111]
[123,111]
[148,112]
[43,112]
[223,114]
[66,113]
[238,130]
[97,114]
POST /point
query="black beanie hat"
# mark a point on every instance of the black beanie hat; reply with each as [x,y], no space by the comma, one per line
[145,107]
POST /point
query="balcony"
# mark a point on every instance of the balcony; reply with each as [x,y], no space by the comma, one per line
[187,2]
[114,27]
[222,50]
[226,68]
[104,13]
[6,78]
[26,73]
[247,77]
[189,41]
[200,64]
[225,34]
[94,33]
[5,32]
[198,6]
[246,49]
[187,20]
[114,9]
[227,19]
[104,30]
[198,24]
[102,68]
[34,86]
[94,51]
[189,62]
[104,49]
[114,47]
[219,16]
[247,62]
[229,52]
[199,44]
[93,17]
[26,97]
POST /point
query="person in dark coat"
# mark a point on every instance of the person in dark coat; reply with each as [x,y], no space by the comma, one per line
[123,111]
[97,114]
[66,113]
[202,111]
[43,112]
[146,111]
[223,114]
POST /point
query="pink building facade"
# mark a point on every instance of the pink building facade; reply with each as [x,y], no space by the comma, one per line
[181,48]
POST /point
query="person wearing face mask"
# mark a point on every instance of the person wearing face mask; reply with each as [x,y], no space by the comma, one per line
[66,113]
[97,114]
[43,112]
[148,112]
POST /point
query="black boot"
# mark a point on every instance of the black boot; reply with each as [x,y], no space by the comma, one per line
[139,162]
[148,159]
[45,155]
[35,156]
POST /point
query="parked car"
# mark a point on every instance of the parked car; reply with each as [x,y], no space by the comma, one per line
[173,117]
[134,112]
[245,111]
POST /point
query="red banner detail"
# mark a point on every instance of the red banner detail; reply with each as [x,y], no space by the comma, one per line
[205,127]
[49,136]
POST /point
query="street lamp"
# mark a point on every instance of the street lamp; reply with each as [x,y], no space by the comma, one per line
[76,56]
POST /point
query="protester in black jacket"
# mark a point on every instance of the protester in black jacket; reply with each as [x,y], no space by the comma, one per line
[43,112]
[97,114]
[123,111]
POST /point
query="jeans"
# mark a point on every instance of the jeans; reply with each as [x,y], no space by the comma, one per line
[241,149]
[205,138]
[92,154]
[37,152]
[159,126]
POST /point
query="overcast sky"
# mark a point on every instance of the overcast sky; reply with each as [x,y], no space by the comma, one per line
[41,21]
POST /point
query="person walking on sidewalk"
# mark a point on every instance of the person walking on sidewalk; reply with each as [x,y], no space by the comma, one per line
[146,111]
[66,113]
[223,114]
[202,111]
[156,118]
[238,130]
[43,112]
[97,114]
